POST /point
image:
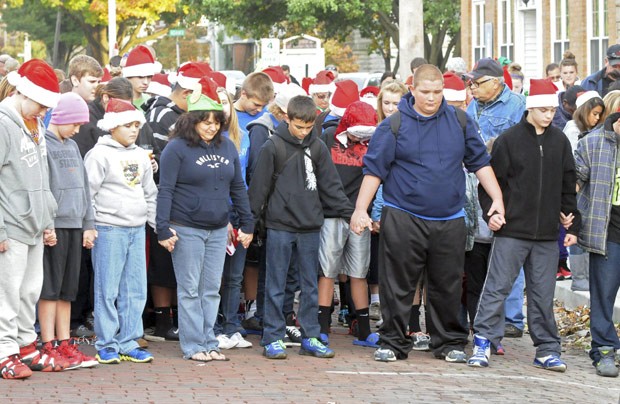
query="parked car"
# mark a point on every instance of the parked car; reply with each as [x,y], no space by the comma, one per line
[234,79]
[362,79]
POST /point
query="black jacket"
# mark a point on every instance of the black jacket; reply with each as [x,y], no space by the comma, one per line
[161,114]
[537,182]
[302,188]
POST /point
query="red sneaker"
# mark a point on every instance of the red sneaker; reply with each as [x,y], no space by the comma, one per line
[70,346]
[62,349]
[566,273]
[43,360]
[12,367]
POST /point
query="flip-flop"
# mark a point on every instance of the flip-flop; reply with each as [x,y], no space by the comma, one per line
[201,357]
[217,356]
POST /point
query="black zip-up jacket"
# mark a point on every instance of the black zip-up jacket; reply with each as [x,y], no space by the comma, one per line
[301,190]
[537,176]
[161,115]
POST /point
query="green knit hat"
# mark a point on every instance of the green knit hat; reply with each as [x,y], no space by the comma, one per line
[204,97]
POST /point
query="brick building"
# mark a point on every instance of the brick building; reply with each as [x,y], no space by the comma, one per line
[535,33]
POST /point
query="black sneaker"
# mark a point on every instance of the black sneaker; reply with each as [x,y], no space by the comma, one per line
[293,336]
[252,325]
[512,331]
[172,334]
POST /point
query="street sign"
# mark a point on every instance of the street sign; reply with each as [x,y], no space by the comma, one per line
[176,32]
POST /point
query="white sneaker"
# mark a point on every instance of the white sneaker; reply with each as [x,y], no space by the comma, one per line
[241,342]
[225,343]
[374,311]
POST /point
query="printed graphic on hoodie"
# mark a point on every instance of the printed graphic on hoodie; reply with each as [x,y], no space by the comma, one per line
[351,156]
[29,151]
[310,177]
[212,160]
[131,172]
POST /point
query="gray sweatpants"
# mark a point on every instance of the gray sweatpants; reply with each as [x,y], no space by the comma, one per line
[539,260]
[21,274]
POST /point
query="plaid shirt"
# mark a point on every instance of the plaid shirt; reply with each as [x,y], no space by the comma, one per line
[595,161]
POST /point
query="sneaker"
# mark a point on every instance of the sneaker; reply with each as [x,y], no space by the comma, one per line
[456,356]
[172,334]
[512,331]
[481,353]
[606,366]
[293,336]
[385,355]
[324,338]
[73,361]
[252,325]
[240,341]
[498,350]
[45,359]
[108,356]
[275,350]
[314,347]
[82,332]
[71,347]
[550,362]
[354,328]
[420,341]
[12,367]
[370,342]
[379,323]
[224,342]
[138,355]
[342,317]
[374,311]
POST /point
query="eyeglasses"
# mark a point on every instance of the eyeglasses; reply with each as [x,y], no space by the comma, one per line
[476,84]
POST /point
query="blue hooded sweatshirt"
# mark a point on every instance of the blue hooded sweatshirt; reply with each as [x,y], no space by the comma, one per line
[422,168]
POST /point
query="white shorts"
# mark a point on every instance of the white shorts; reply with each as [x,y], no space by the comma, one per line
[342,251]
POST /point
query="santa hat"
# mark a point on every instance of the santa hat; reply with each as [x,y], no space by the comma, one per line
[277,76]
[189,74]
[542,94]
[586,96]
[285,94]
[359,119]
[369,91]
[204,97]
[36,80]
[322,83]
[159,85]
[140,63]
[453,87]
[119,112]
[346,92]
[219,78]
[306,82]
[507,77]
[106,76]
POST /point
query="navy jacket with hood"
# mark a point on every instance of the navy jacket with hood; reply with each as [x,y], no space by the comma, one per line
[422,167]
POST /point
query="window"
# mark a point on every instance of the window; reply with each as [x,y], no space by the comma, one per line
[506,28]
[559,29]
[598,33]
[478,30]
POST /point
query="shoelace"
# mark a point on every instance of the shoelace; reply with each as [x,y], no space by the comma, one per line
[293,330]
[315,343]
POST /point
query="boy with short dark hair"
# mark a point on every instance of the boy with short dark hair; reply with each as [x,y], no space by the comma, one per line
[294,216]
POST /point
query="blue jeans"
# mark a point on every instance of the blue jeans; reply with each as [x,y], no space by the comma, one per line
[604,285]
[119,263]
[282,246]
[513,307]
[198,259]
[231,291]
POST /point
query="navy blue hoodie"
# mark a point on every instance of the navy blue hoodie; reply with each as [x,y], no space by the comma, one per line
[422,168]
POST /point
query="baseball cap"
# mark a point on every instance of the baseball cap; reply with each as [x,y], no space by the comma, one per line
[613,55]
[485,67]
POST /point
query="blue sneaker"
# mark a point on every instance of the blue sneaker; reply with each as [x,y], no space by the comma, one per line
[370,342]
[138,355]
[108,356]
[550,362]
[275,350]
[481,354]
[314,347]
[324,338]
[342,317]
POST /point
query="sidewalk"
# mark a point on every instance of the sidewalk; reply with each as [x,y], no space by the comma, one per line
[572,299]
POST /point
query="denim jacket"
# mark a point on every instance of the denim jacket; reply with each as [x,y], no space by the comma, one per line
[595,162]
[498,116]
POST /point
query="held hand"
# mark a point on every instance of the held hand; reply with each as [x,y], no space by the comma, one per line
[497,207]
[88,238]
[49,237]
[4,246]
[244,239]
[360,221]
[496,222]
[168,244]
[570,240]
[376,226]
[231,234]
[566,220]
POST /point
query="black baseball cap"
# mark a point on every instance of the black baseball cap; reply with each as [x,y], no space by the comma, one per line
[485,67]
[613,54]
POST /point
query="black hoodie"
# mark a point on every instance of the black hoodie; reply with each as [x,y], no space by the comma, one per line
[302,187]
[161,114]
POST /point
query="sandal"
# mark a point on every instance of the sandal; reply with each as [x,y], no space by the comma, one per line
[201,357]
[217,356]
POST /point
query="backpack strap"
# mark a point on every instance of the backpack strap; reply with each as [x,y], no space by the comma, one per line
[320,119]
[462,117]
[395,123]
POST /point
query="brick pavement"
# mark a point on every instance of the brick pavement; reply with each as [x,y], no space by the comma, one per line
[351,377]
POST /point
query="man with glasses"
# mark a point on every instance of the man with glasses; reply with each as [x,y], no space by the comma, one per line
[601,80]
[321,88]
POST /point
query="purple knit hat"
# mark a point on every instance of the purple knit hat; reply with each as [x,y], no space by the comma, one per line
[71,109]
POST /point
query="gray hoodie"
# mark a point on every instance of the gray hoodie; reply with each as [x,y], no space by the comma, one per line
[69,184]
[27,206]
[121,184]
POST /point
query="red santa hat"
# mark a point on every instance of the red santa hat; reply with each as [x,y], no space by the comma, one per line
[369,91]
[306,82]
[119,112]
[345,94]
[140,63]
[542,94]
[277,77]
[359,119]
[189,74]
[453,87]
[106,76]
[322,83]
[219,78]
[507,77]
[36,80]
[159,85]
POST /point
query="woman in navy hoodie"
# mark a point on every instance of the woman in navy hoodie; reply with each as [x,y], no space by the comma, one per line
[200,174]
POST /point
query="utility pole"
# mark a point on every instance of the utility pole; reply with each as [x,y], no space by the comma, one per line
[411,34]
